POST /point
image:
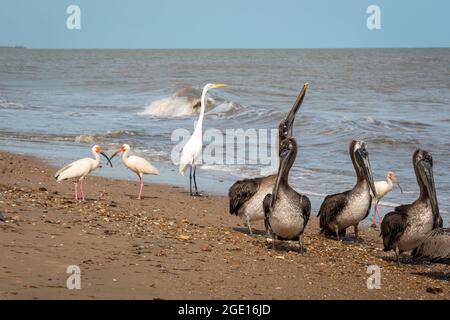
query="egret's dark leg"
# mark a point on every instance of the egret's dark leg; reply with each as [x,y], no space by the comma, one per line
[195,182]
[190,180]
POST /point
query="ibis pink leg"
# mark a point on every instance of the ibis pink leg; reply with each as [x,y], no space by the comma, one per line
[378,212]
[374,219]
[76,191]
[81,190]
[140,191]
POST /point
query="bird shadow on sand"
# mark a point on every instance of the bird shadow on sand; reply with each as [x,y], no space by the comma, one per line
[408,260]
[134,197]
[200,195]
[257,233]
[350,240]
[281,244]
[437,275]
[286,246]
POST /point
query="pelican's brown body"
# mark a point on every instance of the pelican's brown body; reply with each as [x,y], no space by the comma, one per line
[342,210]
[406,228]
[246,196]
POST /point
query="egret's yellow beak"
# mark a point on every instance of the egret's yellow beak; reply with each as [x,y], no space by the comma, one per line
[219,85]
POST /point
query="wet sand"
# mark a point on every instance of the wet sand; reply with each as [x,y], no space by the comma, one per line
[172,246]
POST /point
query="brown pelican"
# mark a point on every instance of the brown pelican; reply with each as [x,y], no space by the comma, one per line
[286,211]
[405,228]
[435,247]
[246,196]
[342,210]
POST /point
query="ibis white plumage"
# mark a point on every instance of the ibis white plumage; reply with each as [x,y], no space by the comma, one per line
[138,165]
[383,188]
[79,169]
[194,145]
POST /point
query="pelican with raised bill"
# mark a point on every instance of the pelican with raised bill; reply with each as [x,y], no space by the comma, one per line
[79,169]
[138,165]
[286,211]
[342,210]
[246,196]
[194,146]
[405,228]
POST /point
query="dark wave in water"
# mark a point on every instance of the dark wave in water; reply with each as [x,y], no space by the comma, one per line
[82,138]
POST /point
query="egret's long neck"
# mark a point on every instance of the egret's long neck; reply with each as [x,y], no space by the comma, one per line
[198,127]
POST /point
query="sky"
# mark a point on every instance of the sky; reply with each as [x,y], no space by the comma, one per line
[224,24]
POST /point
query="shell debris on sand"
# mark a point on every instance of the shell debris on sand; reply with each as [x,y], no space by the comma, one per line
[159,240]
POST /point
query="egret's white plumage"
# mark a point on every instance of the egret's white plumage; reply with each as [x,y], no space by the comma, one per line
[383,188]
[138,165]
[194,145]
[79,169]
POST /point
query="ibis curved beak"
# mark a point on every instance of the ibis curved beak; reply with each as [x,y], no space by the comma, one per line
[399,186]
[115,154]
[107,158]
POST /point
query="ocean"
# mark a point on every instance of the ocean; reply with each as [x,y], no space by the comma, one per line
[56,104]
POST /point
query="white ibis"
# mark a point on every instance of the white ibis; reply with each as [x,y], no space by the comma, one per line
[79,169]
[194,145]
[383,188]
[138,165]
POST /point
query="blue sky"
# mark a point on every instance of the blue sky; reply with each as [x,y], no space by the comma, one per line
[224,24]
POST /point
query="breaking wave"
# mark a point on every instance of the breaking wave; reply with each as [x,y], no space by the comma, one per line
[186,102]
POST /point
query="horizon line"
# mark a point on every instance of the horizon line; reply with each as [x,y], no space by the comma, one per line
[237,48]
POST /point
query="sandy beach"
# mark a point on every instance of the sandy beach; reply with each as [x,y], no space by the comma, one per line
[172,246]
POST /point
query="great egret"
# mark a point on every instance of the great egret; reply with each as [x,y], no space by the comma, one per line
[81,168]
[138,165]
[194,145]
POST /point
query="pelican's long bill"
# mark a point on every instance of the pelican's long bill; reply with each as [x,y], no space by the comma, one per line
[362,157]
[426,173]
[291,116]
[285,154]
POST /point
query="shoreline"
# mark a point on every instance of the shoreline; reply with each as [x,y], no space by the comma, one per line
[172,246]
[216,182]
